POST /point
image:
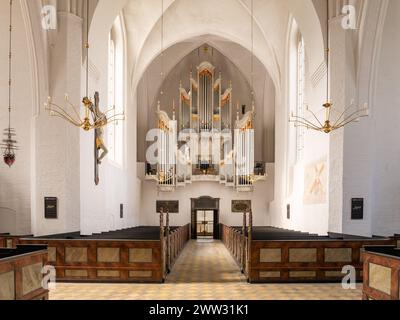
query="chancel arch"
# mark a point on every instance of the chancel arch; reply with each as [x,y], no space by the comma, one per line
[232,40]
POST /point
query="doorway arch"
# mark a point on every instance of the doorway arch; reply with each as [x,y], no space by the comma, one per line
[205,203]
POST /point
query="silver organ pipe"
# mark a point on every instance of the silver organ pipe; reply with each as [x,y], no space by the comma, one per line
[247,158]
[206,107]
[244,147]
[167,147]
[203,105]
[193,104]
[205,102]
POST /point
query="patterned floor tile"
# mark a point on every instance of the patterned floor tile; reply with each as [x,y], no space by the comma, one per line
[204,271]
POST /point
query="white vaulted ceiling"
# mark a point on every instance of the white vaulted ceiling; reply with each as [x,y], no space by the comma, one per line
[184,20]
[228,19]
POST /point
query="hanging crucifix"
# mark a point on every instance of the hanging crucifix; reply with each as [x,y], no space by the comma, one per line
[100,149]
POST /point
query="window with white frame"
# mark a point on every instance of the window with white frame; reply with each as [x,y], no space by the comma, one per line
[115,130]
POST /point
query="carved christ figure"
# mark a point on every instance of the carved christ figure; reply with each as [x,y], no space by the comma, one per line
[100,121]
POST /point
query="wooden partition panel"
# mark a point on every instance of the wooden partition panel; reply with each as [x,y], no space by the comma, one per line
[9,242]
[12,241]
[124,261]
[381,276]
[21,277]
[303,261]
[299,260]
[178,239]
[233,240]
[104,260]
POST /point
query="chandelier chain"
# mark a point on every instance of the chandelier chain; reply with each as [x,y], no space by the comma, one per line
[162,48]
[10,68]
[327,51]
[252,50]
[87,47]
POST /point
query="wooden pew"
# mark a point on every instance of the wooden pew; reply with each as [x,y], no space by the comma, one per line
[2,241]
[232,237]
[381,273]
[179,238]
[298,257]
[397,239]
[105,258]
[9,241]
[21,273]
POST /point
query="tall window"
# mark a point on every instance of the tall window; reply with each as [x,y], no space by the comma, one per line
[296,98]
[115,130]
[300,97]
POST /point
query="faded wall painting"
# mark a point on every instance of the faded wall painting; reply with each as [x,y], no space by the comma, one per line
[316,182]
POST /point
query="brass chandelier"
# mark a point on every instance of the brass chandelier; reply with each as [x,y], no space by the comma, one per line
[9,143]
[349,115]
[93,118]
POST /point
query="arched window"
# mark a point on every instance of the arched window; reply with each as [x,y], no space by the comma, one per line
[296,98]
[115,130]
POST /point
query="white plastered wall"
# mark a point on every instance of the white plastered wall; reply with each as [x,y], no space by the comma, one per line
[15,188]
[371,149]
[100,205]
[261,197]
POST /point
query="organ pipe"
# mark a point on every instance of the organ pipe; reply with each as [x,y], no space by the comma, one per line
[206,107]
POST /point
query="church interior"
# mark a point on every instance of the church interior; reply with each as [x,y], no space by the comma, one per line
[200,150]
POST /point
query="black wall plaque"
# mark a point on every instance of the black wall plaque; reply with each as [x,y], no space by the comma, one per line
[50,208]
[170,206]
[241,206]
[288,211]
[357,209]
[121,211]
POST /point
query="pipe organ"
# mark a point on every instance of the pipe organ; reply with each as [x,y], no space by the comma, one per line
[166,146]
[205,143]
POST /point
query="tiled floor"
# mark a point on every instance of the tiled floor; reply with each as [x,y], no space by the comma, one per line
[204,271]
